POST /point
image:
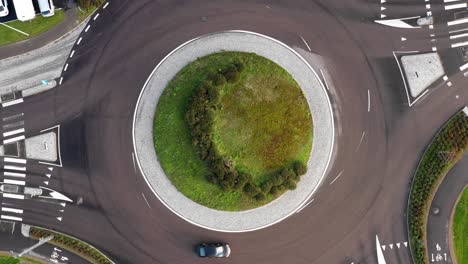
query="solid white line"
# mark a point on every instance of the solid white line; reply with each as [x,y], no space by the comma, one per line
[104,7]
[305,42]
[13,132]
[459,36]
[380,255]
[417,99]
[15,160]
[72,53]
[455,6]
[17,101]
[464,67]
[96,16]
[13,196]
[17,30]
[11,167]
[300,209]
[459,30]
[14,174]
[10,140]
[449,1]
[457,22]
[360,141]
[12,210]
[142,194]
[459,44]
[66,67]
[324,79]
[79,41]
[13,218]
[368,100]
[15,182]
[336,178]
[87,28]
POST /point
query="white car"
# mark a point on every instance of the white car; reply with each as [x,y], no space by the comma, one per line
[3,8]
[46,7]
[24,10]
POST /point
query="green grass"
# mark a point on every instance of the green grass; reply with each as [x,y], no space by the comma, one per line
[460,229]
[84,13]
[452,138]
[260,121]
[12,260]
[35,27]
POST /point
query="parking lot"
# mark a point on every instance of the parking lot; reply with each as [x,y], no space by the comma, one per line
[12,14]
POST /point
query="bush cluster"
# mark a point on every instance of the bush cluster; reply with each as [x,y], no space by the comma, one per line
[453,138]
[72,244]
[87,4]
[223,172]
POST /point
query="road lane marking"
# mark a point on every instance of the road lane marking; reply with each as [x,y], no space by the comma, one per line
[14,174]
[133,159]
[324,79]
[96,16]
[104,7]
[11,125]
[10,140]
[459,36]
[61,80]
[9,103]
[368,100]
[459,44]
[17,30]
[300,209]
[79,41]
[305,42]
[13,132]
[464,67]
[455,6]
[12,210]
[336,178]
[87,28]
[8,118]
[13,218]
[17,168]
[457,22]
[360,141]
[142,194]
[13,196]
[380,255]
[72,53]
[15,160]
[14,182]
[66,67]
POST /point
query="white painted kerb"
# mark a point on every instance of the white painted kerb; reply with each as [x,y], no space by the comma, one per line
[319,104]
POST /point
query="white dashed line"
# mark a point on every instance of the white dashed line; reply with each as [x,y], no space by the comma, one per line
[368,101]
[336,178]
[142,194]
[72,53]
[96,16]
[360,141]
[300,209]
[305,42]
[324,79]
[104,7]
[61,80]
[79,41]
[87,28]
[66,67]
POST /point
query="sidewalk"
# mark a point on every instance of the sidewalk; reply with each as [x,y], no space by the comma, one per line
[70,22]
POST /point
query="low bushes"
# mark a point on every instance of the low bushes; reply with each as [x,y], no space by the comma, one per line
[87,4]
[448,146]
[72,244]
[200,118]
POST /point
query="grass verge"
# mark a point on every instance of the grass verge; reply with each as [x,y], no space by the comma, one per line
[446,149]
[71,244]
[35,27]
[85,12]
[260,87]
[460,229]
[8,259]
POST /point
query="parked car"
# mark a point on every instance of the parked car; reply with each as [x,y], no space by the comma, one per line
[214,250]
[24,10]
[47,8]
[3,8]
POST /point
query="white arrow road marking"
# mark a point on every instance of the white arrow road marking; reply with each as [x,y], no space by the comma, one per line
[398,245]
[63,204]
[51,168]
[46,182]
[59,218]
[380,256]
[48,175]
[391,246]
[383,247]
[55,195]
[405,243]
[382,8]
[383,16]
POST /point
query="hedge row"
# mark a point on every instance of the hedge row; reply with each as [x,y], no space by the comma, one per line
[71,244]
[87,4]
[223,172]
[447,148]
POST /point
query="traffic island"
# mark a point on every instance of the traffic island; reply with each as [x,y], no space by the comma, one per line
[145,134]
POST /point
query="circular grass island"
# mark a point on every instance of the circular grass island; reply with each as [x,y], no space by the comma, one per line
[233,131]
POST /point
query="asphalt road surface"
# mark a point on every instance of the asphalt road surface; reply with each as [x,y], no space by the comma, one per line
[380,139]
[438,224]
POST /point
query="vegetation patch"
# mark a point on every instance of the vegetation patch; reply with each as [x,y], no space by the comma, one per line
[241,124]
[88,7]
[446,149]
[460,229]
[71,244]
[35,27]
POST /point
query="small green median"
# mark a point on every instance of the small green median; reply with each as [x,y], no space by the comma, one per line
[460,229]
[8,259]
[446,149]
[33,28]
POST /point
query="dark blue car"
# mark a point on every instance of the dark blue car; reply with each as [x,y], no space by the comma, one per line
[214,250]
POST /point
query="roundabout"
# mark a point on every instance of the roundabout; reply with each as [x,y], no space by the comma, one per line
[317,99]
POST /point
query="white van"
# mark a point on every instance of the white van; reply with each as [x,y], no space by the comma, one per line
[46,7]
[24,9]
